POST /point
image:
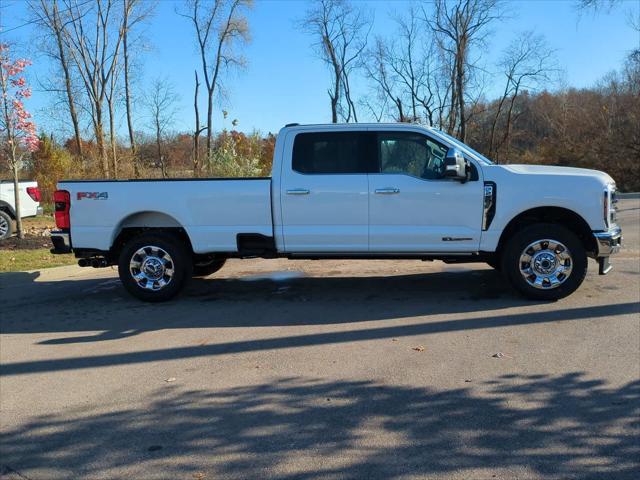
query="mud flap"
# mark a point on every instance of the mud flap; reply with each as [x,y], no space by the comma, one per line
[605,265]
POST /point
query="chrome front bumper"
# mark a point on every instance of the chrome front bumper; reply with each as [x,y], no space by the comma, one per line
[61,242]
[607,243]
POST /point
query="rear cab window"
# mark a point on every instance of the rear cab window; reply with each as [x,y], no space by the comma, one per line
[325,153]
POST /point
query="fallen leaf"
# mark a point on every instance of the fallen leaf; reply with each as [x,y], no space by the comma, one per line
[500,355]
[419,348]
[170,379]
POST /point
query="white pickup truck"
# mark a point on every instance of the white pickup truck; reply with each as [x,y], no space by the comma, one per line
[29,204]
[360,191]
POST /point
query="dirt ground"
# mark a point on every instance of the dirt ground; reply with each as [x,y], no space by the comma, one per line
[36,231]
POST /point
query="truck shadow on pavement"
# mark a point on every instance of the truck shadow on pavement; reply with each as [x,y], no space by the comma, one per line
[517,426]
[416,304]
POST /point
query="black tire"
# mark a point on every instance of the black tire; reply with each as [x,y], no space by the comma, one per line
[6,225]
[204,269]
[495,262]
[179,263]
[577,260]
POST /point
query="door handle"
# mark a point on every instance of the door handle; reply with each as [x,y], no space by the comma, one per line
[298,191]
[387,191]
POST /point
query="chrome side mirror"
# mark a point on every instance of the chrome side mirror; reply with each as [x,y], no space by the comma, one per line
[456,167]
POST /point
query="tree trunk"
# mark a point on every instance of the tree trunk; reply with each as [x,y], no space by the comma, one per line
[99,133]
[460,84]
[209,126]
[196,132]
[494,124]
[159,147]
[336,96]
[16,192]
[112,139]
[67,78]
[127,91]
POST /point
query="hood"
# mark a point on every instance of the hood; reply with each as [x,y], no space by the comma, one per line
[552,170]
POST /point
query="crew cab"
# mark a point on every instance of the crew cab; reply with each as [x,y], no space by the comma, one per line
[364,191]
[29,195]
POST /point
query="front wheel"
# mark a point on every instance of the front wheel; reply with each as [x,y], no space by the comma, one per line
[545,262]
[154,267]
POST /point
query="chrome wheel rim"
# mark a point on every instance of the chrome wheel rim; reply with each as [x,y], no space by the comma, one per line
[151,268]
[546,264]
[4,227]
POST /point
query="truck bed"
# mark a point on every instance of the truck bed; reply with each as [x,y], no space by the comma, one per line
[213,211]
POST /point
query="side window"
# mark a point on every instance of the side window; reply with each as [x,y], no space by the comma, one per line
[330,153]
[412,154]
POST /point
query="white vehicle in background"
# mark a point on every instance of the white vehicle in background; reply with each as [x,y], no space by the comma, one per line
[29,204]
[360,191]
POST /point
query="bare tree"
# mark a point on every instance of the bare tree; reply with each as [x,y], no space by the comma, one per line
[458,27]
[527,63]
[376,66]
[160,103]
[220,27]
[111,94]
[197,131]
[127,5]
[340,31]
[95,56]
[597,4]
[402,69]
[49,17]
[133,13]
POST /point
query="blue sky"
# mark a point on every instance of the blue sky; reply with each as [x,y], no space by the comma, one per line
[285,82]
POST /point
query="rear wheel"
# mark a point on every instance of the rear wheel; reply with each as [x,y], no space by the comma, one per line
[5,225]
[206,268]
[495,263]
[154,267]
[545,262]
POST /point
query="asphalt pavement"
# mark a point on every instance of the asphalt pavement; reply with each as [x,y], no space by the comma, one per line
[325,369]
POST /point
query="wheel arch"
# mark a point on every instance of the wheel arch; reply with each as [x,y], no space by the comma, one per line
[557,215]
[146,222]
[7,208]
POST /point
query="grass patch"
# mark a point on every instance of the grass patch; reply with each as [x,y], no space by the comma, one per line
[32,252]
[36,259]
[43,221]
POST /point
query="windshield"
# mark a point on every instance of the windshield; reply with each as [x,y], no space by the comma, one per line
[464,148]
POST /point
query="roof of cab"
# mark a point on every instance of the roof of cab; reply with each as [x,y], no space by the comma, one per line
[351,126]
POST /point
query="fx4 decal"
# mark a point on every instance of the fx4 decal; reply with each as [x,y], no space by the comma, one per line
[93,195]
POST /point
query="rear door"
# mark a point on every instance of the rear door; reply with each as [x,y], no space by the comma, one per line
[324,192]
[413,208]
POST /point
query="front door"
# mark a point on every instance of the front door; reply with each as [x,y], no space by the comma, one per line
[413,208]
[324,193]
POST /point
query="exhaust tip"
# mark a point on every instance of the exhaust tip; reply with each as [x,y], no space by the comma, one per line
[98,263]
